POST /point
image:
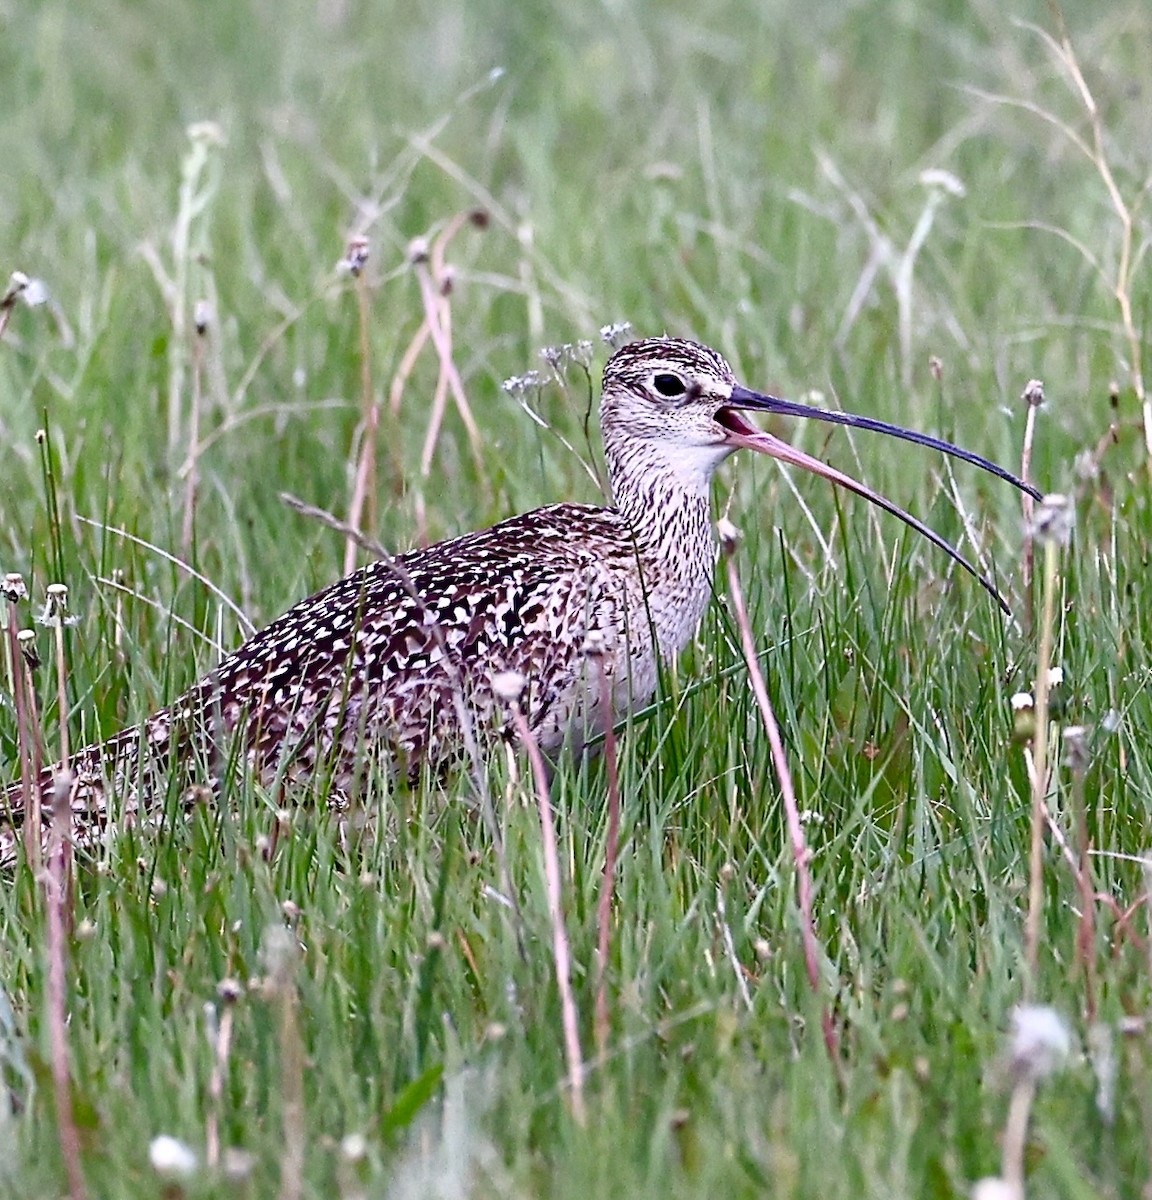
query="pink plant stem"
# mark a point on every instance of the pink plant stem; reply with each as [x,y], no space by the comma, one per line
[55,895]
[800,852]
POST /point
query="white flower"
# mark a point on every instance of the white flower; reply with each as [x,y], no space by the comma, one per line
[172,1157]
[1021,701]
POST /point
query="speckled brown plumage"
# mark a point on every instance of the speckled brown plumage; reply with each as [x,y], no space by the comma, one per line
[377,663]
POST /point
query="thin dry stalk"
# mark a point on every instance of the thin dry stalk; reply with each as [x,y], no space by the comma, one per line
[595,653]
[510,690]
[800,852]
[1040,770]
[396,390]
[1033,397]
[220,1039]
[1016,1136]
[57,608]
[1076,759]
[281,952]
[32,756]
[14,590]
[364,487]
[56,893]
[191,468]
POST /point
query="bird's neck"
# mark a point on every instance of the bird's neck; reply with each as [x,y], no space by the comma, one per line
[667,505]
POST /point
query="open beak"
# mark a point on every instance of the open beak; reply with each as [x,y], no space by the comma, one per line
[743,434]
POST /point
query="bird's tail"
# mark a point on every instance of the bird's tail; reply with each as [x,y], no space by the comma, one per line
[78,800]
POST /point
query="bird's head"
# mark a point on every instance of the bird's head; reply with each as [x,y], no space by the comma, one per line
[675,403]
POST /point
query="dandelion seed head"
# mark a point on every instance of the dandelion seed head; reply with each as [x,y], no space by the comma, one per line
[1040,1043]
[994,1188]
[14,588]
[728,533]
[354,1147]
[1033,393]
[1053,520]
[172,1158]
[508,685]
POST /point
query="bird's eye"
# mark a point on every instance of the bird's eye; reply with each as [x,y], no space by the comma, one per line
[669,385]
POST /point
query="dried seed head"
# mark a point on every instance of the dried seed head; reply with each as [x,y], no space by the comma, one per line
[354,1148]
[279,951]
[418,251]
[508,685]
[237,1164]
[230,990]
[14,588]
[26,639]
[616,334]
[1040,1043]
[172,1158]
[355,255]
[1076,748]
[480,218]
[728,533]
[518,385]
[447,279]
[17,285]
[1033,393]
[1054,520]
[994,1188]
[55,605]
[594,643]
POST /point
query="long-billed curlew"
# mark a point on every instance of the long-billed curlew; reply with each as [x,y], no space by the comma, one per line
[397,659]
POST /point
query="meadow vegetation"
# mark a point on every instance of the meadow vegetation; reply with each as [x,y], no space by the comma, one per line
[908,208]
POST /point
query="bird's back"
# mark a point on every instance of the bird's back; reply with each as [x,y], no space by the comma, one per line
[392,657]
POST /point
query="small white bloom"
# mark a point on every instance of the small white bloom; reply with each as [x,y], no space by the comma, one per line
[1041,1041]
[354,1147]
[993,1188]
[616,334]
[172,1157]
[1055,676]
[1022,700]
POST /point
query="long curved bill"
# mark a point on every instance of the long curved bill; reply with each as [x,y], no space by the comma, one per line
[745,435]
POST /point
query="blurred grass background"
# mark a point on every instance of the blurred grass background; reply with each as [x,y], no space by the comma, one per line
[752,176]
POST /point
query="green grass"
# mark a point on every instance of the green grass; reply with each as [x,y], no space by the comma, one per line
[704,169]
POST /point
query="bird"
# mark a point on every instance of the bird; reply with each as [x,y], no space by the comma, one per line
[406,661]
